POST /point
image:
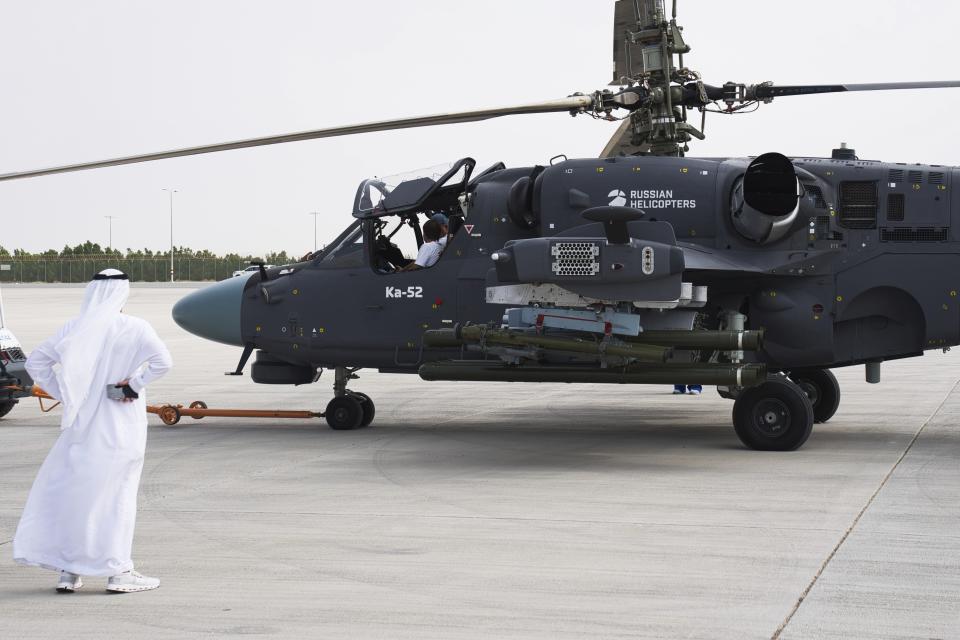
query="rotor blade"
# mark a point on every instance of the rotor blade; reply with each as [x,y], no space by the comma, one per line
[620,137]
[774,91]
[572,103]
[621,142]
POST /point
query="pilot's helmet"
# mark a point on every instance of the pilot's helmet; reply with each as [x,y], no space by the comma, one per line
[439,218]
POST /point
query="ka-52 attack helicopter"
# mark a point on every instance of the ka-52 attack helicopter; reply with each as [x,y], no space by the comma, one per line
[643,266]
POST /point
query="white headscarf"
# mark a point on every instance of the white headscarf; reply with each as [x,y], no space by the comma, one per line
[81,348]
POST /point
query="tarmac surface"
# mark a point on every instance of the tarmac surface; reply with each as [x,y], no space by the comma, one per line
[508,511]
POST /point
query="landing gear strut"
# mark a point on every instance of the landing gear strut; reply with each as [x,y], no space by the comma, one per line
[348,409]
[774,416]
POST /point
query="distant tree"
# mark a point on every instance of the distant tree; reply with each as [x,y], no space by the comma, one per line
[278,258]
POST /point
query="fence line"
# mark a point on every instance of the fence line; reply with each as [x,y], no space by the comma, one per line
[82,268]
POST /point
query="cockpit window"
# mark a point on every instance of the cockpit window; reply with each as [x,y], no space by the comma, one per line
[396,241]
[400,190]
[347,249]
[432,188]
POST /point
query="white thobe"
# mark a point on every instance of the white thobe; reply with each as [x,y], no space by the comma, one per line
[82,509]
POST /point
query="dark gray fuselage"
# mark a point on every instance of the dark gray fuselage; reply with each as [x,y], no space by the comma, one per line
[867,271]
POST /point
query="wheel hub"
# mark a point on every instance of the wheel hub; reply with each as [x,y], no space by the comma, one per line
[772,417]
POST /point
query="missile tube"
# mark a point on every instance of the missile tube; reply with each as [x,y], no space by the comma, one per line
[722,340]
[745,375]
[481,334]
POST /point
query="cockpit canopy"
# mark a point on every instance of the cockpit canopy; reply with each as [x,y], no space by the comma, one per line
[431,189]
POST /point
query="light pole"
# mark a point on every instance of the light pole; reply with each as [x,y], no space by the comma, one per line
[171,192]
[314,214]
[110,223]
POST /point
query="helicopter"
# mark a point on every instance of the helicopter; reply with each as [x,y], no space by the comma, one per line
[643,266]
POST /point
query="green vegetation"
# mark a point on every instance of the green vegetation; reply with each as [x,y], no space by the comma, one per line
[79,263]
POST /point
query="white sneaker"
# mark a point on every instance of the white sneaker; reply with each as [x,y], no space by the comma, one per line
[694,392]
[69,582]
[131,581]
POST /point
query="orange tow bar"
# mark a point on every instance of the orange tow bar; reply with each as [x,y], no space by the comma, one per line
[170,414]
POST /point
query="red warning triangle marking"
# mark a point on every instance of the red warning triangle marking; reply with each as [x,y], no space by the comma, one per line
[468,227]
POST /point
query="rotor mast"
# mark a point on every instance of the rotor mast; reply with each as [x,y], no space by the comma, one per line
[646,46]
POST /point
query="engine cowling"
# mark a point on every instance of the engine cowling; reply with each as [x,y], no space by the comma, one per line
[765,201]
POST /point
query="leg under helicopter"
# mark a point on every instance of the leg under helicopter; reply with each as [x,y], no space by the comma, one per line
[770,417]
[348,409]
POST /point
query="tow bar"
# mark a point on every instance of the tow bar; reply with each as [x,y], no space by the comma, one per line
[170,414]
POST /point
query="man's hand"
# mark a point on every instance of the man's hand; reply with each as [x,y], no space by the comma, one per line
[124,383]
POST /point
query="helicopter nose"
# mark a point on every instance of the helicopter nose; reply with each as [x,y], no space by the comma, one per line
[214,311]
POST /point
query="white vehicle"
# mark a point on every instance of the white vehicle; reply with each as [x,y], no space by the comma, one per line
[14,380]
[251,269]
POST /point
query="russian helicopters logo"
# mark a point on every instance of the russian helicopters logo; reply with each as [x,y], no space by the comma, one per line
[617,198]
[649,199]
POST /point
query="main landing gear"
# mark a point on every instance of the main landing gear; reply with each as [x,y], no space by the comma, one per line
[779,414]
[774,416]
[348,409]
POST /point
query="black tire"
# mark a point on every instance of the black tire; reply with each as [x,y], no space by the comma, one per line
[6,407]
[822,388]
[366,404]
[774,416]
[344,413]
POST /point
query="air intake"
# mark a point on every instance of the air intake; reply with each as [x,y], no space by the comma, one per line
[765,202]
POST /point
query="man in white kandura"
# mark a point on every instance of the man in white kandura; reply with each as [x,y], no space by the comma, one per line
[81,511]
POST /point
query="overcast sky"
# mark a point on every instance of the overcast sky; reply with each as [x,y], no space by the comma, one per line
[96,79]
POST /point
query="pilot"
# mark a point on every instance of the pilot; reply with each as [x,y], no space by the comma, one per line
[444,223]
[431,249]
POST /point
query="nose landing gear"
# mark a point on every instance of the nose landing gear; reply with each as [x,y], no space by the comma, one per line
[348,409]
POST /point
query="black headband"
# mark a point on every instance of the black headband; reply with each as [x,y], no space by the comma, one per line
[103,276]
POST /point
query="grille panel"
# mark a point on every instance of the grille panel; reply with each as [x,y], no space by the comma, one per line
[919,234]
[935,177]
[575,258]
[895,207]
[13,354]
[896,175]
[858,205]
